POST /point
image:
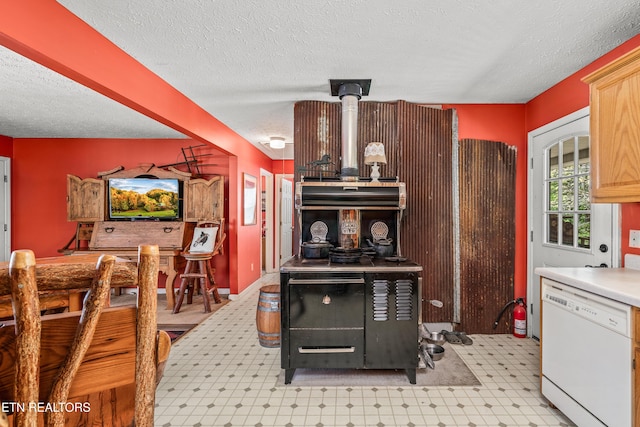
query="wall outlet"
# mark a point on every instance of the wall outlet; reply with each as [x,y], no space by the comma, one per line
[251,266]
[634,238]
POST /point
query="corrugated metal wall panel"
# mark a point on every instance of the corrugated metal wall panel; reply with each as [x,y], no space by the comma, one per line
[426,141]
[418,145]
[487,233]
[317,128]
[377,122]
[317,131]
[420,151]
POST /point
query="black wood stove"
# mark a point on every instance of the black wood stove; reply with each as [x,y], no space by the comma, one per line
[355,308]
[357,304]
[357,315]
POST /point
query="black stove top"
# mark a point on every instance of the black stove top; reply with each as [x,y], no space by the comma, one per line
[365,264]
[319,262]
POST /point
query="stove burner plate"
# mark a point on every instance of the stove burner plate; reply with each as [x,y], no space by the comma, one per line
[342,250]
[345,258]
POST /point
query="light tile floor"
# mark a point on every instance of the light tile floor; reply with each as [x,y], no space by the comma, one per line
[219,375]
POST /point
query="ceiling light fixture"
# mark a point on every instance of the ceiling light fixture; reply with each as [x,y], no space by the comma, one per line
[276,142]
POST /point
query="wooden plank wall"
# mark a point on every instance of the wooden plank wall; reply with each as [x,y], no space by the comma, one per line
[487,234]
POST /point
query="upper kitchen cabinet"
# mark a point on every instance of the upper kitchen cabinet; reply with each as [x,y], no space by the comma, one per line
[615,130]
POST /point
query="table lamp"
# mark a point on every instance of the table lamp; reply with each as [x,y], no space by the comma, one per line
[374,154]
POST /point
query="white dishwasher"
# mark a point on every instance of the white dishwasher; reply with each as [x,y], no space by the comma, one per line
[586,355]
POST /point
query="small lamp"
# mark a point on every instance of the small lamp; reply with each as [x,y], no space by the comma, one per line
[276,142]
[374,154]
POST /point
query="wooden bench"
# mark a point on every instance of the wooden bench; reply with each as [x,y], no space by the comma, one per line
[95,367]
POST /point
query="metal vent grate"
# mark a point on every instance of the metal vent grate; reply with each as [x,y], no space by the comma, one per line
[380,300]
[404,291]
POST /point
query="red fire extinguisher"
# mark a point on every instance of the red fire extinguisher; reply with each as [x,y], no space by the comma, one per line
[519,317]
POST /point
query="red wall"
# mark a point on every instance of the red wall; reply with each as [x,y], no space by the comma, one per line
[40,167]
[511,123]
[6,146]
[282,167]
[248,250]
[39,191]
[45,32]
[570,95]
[33,28]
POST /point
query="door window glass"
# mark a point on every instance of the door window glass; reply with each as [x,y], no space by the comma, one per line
[568,200]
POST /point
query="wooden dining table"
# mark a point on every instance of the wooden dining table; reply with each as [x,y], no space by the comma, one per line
[61,280]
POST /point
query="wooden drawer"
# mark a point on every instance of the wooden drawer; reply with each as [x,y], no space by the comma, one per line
[163,261]
[119,235]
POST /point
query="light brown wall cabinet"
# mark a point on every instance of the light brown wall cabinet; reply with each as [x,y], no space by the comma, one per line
[85,199]
[615,130]
[204,200]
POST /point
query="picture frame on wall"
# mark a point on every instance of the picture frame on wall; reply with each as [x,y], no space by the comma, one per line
[250,199]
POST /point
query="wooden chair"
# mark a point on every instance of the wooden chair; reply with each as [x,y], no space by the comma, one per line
[208,239]
[94,367]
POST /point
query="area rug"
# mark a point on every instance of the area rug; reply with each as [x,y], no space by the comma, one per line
[449,371]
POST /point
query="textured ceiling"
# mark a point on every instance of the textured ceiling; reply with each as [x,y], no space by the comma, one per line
[247,62]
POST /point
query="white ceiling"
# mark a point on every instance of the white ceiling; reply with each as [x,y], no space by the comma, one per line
[248,61]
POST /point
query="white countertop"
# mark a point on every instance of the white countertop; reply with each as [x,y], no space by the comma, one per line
[619,284]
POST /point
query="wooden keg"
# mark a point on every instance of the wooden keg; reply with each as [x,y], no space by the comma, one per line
[268,316]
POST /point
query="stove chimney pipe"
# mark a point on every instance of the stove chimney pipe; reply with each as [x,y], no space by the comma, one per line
[350,92]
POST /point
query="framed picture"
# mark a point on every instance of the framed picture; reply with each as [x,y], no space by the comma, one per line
[250,199]
[203,239]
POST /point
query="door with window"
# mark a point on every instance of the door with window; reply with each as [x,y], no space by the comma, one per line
[567,230]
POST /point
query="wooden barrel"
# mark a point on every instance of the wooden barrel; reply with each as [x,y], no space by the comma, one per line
[268,316]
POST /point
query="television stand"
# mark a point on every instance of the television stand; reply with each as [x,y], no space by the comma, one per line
[122,238]
[88,205]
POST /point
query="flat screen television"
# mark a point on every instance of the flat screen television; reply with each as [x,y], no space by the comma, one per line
[144,199]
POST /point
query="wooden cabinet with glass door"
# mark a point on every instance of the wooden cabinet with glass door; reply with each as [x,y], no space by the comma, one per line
[615,130]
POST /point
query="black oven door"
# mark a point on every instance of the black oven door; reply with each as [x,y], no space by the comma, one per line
[326,322]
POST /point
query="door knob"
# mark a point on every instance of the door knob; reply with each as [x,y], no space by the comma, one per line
[604,248]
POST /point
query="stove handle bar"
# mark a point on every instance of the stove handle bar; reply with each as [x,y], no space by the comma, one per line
[316,350]
[331,281]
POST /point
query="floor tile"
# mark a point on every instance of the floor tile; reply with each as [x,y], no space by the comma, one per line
[219,375]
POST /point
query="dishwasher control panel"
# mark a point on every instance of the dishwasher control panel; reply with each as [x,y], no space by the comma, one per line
[602,311]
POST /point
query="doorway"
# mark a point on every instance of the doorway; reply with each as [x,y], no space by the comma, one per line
[566,229]
[284,213]
[266,209]
[5,210]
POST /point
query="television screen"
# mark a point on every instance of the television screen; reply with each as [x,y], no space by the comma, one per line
[144,198]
